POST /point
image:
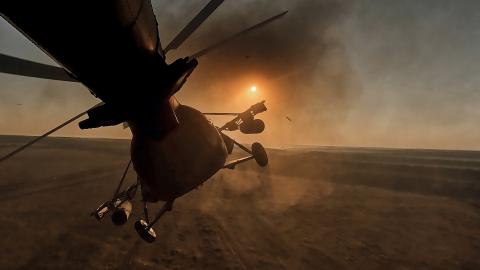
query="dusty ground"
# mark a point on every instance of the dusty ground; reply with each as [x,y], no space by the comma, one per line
[323,208]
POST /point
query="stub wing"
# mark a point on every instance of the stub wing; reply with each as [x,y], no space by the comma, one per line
[245,121]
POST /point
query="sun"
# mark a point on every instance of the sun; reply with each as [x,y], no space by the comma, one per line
[253,89]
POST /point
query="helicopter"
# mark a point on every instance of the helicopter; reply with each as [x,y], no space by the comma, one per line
[113,48]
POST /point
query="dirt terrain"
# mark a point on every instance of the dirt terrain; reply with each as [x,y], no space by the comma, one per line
[312,208]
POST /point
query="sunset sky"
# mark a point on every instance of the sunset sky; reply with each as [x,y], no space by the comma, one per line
[357,73]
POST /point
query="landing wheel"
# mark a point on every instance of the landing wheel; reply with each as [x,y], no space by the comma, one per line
[146,233]
[259,154]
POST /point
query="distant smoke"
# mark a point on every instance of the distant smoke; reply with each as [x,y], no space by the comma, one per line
[299,56]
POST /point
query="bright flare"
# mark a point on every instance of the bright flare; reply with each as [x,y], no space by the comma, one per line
[253,89]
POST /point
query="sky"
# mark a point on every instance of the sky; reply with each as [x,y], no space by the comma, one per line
[379,73]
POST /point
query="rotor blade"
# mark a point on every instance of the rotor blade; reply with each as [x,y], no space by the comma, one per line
[193,25]
[230,114]
[37,139]
[223,42]
[17,66]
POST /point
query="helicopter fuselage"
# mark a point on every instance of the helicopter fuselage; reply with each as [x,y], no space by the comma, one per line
[187,157]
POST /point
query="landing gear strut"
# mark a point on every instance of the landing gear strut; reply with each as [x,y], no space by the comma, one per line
[144,227]
[258,153]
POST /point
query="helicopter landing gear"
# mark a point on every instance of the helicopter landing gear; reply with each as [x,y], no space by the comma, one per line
[259,154]
[145,232]
[144,227]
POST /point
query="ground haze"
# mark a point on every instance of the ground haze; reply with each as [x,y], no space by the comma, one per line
[312,208]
